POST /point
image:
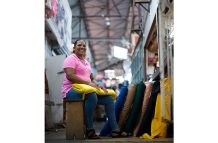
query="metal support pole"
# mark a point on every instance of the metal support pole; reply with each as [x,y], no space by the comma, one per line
[80,19]
[172,76]
[148,10]
[168,67]
[80,27]
[161,58]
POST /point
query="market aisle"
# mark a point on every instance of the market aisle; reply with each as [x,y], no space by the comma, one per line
[58,136]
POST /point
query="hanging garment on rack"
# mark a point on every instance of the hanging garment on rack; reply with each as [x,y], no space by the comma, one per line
[127,105]
[136,106]
[147,95]
[106,130]
[159,122]
[145,126]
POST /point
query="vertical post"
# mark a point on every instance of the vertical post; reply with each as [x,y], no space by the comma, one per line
[80,26]
[160,32]
[168,66]
[172,76]
[108,29]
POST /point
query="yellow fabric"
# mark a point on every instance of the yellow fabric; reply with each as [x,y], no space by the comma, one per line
[86,89]
[159,125]
[83,88]
[111,92]
[146,136]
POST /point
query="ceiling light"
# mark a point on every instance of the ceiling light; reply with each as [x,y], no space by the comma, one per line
[107,21]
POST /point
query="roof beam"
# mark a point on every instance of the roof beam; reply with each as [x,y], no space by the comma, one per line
[94,22]
[141,2]
[108,27]
[100,16]
[104,66]
[82,13]
[126,22]
[116,7]
[98,43]
[99,38]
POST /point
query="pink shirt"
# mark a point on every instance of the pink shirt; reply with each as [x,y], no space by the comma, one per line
[82,70]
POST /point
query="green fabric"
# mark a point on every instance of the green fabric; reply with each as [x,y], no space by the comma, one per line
[144,105]
[136,108]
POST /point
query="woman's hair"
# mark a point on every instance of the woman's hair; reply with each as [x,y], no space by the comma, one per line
[74,44]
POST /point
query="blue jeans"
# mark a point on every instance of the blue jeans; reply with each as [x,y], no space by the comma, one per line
[91,100]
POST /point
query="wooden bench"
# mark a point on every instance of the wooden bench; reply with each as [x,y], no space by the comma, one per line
[74,119]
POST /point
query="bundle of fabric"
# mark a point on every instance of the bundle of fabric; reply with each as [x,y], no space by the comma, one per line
[106,130]
[136,106]
[159,123]
[145,126]
[147,95]
[86,89]
[127,105]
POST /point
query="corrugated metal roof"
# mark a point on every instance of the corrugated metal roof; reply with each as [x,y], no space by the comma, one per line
[108,23]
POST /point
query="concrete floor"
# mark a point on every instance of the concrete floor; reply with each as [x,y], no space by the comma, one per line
[58,136]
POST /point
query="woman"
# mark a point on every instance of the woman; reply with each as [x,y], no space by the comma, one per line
[78,70]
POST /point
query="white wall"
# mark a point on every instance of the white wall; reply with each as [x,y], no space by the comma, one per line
[48,47]
[53,67]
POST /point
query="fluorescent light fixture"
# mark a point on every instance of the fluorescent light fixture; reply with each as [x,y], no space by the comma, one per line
[107,21]
[119,52]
